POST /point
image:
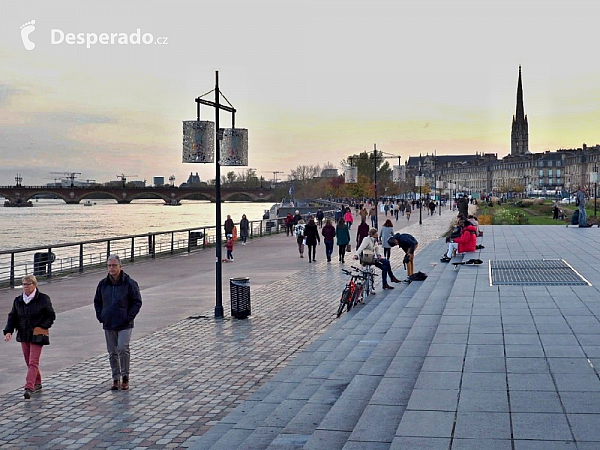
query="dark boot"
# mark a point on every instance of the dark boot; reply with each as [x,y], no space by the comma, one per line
[387,286]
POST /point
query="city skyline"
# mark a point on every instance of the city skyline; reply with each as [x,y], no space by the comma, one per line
[312,82]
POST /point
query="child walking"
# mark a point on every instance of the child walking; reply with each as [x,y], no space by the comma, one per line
[229,246]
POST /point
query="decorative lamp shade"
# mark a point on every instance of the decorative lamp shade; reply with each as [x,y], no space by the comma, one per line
[397,174]
[198,141]
[351,174]
[439,184]
[234,147]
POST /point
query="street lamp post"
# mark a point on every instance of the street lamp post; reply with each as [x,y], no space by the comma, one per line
[198,148]
[595,186]
[376,156]
[420,195]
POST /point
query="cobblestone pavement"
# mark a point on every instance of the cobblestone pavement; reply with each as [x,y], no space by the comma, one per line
[188,375]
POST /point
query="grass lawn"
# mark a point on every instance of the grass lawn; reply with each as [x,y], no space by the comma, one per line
[530,212]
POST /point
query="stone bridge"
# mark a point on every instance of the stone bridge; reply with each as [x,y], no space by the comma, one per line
[76,194]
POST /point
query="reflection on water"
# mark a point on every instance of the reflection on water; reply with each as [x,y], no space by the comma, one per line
[54,222]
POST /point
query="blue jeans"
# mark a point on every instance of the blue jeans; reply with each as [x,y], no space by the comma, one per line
[328,249]
[386,269]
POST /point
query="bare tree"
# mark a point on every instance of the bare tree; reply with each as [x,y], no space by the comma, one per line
[304,173]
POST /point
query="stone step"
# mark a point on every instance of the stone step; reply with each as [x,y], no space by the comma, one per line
[345,415]
[338,374]
[382,415]
[306,388]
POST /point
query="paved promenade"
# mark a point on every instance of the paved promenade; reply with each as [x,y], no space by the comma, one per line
[449,363]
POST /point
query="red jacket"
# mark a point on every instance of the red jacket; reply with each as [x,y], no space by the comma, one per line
[467,241]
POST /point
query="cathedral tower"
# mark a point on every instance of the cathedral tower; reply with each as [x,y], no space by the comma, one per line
[519,138]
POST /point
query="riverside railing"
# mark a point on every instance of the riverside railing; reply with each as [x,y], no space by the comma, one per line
[62,259]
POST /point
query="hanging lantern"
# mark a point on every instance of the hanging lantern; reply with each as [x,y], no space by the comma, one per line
[351,174]
[439,184]
[234,147]
[198,141]
[397,174]
[419,180]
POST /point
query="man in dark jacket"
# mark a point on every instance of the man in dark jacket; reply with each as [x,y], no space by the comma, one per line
[117,302]
[228,225]
[320,216]
[409,244]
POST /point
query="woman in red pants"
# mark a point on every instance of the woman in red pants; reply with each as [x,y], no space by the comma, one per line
[31,315]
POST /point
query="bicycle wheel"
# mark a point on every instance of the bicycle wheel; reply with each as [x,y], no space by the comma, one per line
[343,301]
[368,285]
[358,295]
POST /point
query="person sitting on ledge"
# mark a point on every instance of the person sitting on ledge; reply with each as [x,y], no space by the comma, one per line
[466,242]
[370,243]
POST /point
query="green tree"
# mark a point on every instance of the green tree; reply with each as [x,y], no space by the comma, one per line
[367,163]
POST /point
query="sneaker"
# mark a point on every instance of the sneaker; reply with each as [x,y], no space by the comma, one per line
[115,385]
[37,388]
[27,393]
[445,259]
[125,384]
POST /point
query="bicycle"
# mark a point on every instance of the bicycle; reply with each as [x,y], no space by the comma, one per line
[361,281]
[368,276]
[349,293]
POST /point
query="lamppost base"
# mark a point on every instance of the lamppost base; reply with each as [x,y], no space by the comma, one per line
[219,312]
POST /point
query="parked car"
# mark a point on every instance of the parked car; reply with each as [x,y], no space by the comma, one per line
[567,200]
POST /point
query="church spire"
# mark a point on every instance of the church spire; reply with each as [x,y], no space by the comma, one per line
[519,138]
[520,116]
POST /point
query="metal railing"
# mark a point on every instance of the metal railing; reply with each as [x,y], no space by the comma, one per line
[62,259]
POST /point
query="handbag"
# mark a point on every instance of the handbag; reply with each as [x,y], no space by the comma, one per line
[367,257]
[41,336]
[348,248]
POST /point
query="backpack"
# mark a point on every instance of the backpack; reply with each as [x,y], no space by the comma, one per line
[577,201]
[419,276]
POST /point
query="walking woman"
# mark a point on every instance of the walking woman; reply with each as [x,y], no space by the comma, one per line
[328,233]
[299,233]
[31,315]
[348,218]
[387,231]
[342,233]
[311,233]
[244,229]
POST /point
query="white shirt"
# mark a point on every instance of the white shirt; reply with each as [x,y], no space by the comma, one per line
[27,299]
[368,243]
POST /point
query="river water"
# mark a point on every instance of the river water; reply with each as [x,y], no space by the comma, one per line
[51,222]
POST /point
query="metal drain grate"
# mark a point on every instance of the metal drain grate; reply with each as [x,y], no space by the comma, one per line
[534,272]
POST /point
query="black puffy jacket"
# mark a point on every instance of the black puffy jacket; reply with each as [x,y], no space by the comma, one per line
[117,304]
[25,317]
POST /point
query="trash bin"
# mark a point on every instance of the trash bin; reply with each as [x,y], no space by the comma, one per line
[240,297]
[40,261]
[196,236]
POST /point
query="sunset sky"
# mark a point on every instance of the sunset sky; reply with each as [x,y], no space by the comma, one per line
[313,81]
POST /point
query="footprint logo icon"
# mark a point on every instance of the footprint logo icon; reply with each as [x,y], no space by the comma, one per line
[26,30]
